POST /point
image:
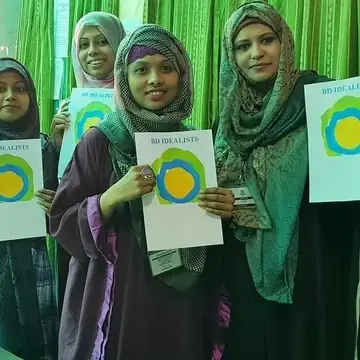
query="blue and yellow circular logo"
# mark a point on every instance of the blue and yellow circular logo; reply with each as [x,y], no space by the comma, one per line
[90,116]
[341,127]
[16,179]
[180,176]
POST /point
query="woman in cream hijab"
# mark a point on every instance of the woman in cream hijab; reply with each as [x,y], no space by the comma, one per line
[97,37]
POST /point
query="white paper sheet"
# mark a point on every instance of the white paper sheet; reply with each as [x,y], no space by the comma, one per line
[87,108]
[21,175]
[333,121]
[184,164]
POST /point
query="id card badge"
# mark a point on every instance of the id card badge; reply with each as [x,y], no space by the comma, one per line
[243,197]
[164,260]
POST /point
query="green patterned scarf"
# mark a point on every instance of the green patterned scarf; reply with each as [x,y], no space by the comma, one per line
[265,137]
[120,128]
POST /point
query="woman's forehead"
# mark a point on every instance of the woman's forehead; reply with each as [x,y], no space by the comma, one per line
[90,31]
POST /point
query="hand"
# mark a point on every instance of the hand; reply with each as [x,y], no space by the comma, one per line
[217,201]
[59,124]
[45,199]
[132,186]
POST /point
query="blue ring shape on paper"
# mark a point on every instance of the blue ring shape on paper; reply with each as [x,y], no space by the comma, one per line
[90,114]
[160,181]
[330,131]
[20,172]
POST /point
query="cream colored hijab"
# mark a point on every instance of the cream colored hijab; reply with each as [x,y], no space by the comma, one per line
[112,29]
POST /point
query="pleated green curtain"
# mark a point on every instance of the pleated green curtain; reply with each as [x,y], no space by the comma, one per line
[79,8]
[35,49]
[326,32]
[192,22]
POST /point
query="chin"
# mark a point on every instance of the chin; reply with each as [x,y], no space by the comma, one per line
[99,74]
[262,79]
[155,106]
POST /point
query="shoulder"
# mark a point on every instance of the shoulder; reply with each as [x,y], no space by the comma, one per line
[93,145]
[312,77]
[94,137]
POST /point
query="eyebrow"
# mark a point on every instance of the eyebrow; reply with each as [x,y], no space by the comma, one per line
[96,36]
[16,83]
[262,35]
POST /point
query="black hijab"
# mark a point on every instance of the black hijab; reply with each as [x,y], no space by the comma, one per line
[28,126]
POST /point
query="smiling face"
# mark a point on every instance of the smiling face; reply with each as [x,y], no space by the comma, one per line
[14,97]
[257,52]
[96,56]
[153,81]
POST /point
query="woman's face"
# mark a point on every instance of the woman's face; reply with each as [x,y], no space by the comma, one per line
[14,97]
[257,52]
[154,82]
[96,56]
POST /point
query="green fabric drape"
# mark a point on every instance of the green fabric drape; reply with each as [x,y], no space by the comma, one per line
[35,49]
[79,8]
[191,21]
[326,32]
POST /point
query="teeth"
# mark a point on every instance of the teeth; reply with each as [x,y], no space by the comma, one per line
[96,62]
[156,93]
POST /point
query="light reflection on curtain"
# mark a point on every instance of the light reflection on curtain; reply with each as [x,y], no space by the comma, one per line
[326,33]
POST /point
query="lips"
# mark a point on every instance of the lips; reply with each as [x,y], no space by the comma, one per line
[9,107]
[257,66]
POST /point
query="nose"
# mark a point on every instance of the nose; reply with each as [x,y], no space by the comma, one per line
[155,78]
[10,94]
[93,49]
[257,52]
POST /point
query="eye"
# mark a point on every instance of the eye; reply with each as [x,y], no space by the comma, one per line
[268,40]
[242,47]
[168,68]
[2,89]
[140,70]
[21,88]
[103,42]
[83,46]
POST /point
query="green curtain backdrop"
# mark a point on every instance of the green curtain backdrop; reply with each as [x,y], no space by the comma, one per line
[79,8]
[326,32]
[35,49]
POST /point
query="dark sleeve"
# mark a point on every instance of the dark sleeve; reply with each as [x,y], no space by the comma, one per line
[50,162]
[214,127]
[75,219]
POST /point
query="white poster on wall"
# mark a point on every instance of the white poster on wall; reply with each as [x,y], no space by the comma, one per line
[61,22]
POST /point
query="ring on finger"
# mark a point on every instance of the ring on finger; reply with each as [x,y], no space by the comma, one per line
[147,173]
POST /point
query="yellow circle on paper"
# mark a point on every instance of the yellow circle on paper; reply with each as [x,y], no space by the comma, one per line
[347,133]
[10,184]
[178,182]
